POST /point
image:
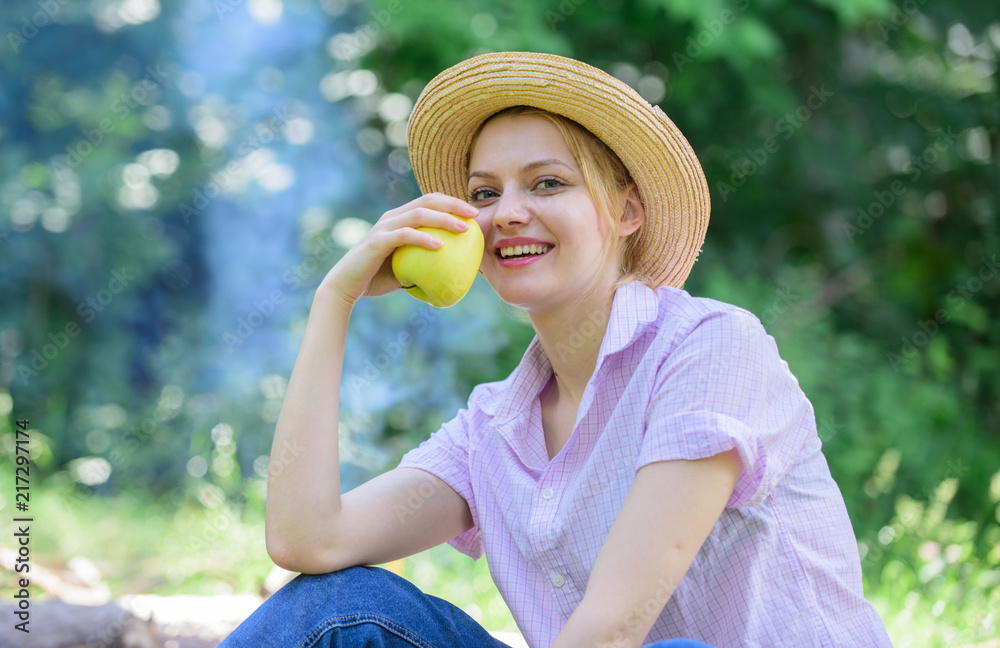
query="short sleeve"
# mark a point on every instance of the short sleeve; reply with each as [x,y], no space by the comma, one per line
[445,454]
[723,386]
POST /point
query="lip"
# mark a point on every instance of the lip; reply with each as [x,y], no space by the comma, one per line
[519,240]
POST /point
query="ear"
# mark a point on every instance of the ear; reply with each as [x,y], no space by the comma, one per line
[634,215]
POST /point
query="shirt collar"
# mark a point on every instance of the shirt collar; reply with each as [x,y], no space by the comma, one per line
[635,306]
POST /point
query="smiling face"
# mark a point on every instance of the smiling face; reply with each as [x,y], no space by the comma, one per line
[546,242]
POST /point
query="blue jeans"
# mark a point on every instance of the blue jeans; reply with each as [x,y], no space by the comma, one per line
[365,607]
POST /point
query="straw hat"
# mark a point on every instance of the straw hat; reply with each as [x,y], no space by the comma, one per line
[670,180]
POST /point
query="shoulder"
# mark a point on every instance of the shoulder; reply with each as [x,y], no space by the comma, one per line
[682,316]
[680,304]
[485,397]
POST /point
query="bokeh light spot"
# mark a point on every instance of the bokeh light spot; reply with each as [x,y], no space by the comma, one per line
[483,25]
[266,12]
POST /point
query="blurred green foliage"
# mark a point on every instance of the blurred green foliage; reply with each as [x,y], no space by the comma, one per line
[851,151]
[152,211]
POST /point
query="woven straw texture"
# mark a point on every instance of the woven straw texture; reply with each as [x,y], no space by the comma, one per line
[669,177]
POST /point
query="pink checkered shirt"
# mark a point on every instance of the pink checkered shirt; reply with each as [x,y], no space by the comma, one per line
[677,377]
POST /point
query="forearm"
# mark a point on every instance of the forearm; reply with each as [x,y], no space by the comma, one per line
[669,512]
[303,482]
[617,614]
[304,506]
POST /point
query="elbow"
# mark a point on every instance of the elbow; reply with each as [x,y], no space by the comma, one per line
[284,550]
[296,557]
[295,560]
[281,554]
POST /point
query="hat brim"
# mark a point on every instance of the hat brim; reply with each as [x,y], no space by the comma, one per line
[666,171]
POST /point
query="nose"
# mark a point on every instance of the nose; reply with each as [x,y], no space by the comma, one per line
[510,212]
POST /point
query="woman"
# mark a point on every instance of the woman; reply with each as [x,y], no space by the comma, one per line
[651,469]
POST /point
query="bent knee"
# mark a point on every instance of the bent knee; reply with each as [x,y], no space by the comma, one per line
[354,590]
[359,579]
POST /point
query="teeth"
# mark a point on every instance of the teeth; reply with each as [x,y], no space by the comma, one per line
[518,250]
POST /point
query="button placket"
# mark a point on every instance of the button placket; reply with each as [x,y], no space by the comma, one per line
[544,522]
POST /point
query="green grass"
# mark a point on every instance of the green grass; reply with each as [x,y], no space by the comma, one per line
[931,584]
[170,545]
[192,542]
[934,580]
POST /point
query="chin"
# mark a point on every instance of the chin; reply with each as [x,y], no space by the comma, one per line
[535,298]
[532,294]
[521,296]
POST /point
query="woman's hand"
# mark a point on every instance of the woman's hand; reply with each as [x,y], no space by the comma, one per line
[366,269]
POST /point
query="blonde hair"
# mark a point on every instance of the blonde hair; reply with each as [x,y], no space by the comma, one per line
[605,177]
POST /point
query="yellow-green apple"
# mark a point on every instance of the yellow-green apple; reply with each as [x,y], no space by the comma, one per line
[440,277]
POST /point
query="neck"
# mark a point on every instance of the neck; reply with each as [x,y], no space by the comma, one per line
[571,337]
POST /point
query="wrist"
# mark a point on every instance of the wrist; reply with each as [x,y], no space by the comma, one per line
[329,296]
[589,627]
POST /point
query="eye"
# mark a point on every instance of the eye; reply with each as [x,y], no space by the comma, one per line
[549,183]
[480,195]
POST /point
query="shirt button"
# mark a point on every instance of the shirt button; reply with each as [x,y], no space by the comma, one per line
[548,493]
[558,580]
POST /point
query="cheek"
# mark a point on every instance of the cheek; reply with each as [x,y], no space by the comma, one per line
[484,220]
[485,223]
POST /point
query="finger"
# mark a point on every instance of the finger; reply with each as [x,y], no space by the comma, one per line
[445,203]
[392,239]
[428,217]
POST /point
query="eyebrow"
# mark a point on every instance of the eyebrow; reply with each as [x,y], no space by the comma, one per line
[530,166]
